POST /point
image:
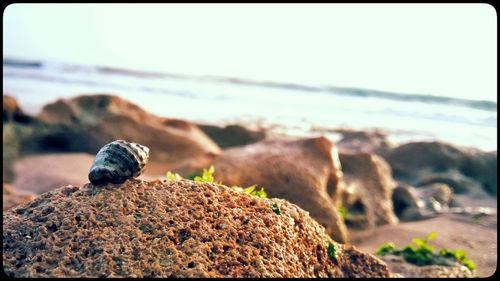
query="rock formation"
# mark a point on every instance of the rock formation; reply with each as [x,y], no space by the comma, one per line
[421,163]
[95,120]
[232,135]
[304,171]
[177,228]
[367,190]
[16,126]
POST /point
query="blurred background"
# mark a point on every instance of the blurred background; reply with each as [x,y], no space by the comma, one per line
[418,71]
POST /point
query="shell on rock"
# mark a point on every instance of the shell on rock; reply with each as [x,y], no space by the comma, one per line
[118,161]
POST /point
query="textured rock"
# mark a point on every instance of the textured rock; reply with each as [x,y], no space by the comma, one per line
[412,161]
[95,120]
[232,135]
[305,172]
[367,190]
[12,198]
[173,229]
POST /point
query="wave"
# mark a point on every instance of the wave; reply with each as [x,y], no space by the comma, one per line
[345,91]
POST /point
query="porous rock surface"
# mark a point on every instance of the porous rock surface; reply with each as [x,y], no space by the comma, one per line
[367,190]
[304,171]
[179,228]
[102,118]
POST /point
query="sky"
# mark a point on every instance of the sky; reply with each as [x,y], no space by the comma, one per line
[436,49]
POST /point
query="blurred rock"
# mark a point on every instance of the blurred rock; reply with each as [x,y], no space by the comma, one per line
[16,126]
[12,112]
[305,171]
[177,228]
[367,190]
[232,135]
[422,163]
[88,122]
[423,202]
[362,141]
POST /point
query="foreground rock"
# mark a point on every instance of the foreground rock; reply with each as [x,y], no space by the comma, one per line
[367,190]
[172,229]
[306,172]
[88,122]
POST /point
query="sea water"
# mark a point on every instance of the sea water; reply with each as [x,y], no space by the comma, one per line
[291,109]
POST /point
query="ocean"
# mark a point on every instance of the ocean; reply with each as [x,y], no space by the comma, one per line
[282,108]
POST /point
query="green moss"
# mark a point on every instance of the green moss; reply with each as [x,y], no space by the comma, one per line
[342,212]
[423,254]
[251,190]
[172,176]
[207,175]
[276,208]
[459,255]
[331,251]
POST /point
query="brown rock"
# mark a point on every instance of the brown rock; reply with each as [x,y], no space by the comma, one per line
[12,112]
[95,120]
[16,126]
[232,135]
[305,172]
[12,198]
[412,161]
[172,229]
[362,141]
[367,190]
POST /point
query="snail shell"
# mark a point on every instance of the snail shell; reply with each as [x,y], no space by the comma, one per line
[117,161]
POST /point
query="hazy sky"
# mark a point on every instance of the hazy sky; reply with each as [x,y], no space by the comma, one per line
[437,49]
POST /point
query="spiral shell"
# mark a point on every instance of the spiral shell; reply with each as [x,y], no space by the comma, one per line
[117,161]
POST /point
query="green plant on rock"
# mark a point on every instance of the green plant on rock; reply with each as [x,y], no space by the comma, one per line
[423,254]
[459,255]
[207,175]
[173,176]
[276,208]
[342,212]
[251,190]
[331,251]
